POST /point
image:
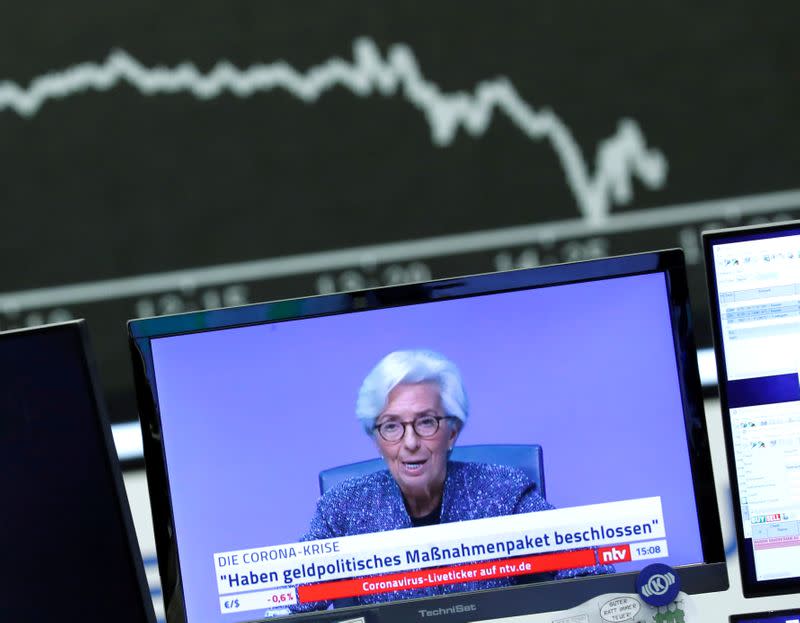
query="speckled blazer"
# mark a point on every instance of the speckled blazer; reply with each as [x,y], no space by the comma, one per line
[374,503]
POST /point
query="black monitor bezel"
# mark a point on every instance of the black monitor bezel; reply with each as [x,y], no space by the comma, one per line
[78,329]
[751,587]
[711,575]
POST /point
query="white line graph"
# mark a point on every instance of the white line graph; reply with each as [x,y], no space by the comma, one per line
[618,159]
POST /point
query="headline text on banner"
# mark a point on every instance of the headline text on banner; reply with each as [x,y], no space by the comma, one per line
[409,549]
[445,575]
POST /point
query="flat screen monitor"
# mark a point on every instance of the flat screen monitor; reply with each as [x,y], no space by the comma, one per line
[754,291]
[67,544]
[468,448]
[773,616]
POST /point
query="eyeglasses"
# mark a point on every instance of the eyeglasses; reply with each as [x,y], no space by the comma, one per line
[425,427]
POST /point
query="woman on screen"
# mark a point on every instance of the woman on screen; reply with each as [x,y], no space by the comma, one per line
[413,405]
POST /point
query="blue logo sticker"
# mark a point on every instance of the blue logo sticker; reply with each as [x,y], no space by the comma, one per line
[658,585]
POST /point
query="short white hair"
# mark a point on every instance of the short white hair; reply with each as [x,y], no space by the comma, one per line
[411,366]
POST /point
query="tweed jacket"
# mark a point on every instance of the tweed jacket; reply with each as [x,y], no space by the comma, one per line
[374,503]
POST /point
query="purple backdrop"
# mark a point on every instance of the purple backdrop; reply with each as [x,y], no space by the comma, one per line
[251,415]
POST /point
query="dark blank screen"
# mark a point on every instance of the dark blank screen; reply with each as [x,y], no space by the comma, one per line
[65,550]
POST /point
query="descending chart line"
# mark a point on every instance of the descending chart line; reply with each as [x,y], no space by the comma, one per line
[618,159]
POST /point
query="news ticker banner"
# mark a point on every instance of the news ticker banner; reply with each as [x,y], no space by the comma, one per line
[470,551]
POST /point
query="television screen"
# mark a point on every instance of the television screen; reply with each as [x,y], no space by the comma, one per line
[535,432]
[66,536]
[754,286]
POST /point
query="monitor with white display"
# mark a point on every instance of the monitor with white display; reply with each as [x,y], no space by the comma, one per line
[754,289]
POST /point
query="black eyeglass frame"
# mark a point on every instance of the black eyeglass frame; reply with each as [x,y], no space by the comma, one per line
[413,425]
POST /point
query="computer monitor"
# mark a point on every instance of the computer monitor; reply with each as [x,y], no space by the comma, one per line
[772,616]
[754,291]
[245,411]
[67,544]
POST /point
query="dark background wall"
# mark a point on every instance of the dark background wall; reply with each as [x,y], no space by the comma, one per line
[123,197]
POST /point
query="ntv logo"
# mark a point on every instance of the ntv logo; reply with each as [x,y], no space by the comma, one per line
[615,553]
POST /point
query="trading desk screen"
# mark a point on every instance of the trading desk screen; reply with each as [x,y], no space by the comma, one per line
[783,616]
[246,410]
[66,536]
[158,159]
[757,279]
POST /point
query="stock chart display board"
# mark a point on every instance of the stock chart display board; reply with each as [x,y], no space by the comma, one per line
[165,158]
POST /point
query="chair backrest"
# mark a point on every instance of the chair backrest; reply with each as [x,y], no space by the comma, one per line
[527,457]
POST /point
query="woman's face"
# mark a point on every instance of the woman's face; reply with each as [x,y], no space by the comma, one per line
[418,465]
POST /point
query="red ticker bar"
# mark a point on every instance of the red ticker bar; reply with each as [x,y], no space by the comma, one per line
[445,575]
